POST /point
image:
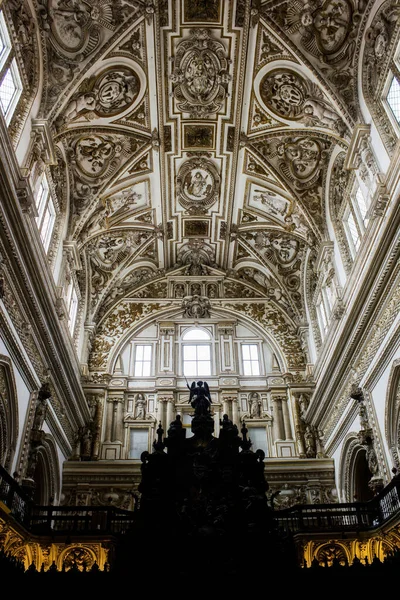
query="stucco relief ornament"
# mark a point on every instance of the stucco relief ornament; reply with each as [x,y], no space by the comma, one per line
[200,75]
[325,27]
[197,256]
[106,95]
[196,307]
[300,159]
[75,24]
[96,155]
[197,185]
[289,95]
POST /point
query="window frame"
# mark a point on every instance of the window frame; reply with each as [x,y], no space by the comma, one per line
[72,307]
[43,205]
[8,65]
[394,73]
[196,343]
[353,209]
[142,362]
[243,360]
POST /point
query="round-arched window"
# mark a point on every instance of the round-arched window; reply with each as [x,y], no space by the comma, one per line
[196,353]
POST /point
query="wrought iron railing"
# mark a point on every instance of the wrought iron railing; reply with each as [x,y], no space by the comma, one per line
[351,516]
[14,497]
[356,516]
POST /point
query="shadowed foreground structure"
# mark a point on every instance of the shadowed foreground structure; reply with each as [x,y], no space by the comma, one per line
[203,517]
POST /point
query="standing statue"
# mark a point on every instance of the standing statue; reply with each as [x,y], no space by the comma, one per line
[310,442]
[41,406]
[200,397]
[140,407]
[255,406]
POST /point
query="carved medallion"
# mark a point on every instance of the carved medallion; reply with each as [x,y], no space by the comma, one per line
[289,95]
[200,75]
[75,25]
[197,185]
[324,26]
[108,94]
[94,154]
[301,158]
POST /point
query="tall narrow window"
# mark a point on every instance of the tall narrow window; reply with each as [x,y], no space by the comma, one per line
[46,213]
[393,98]
[10,80]
[322,316]
[142,361]
[251,364]
[72,305]
[197,354]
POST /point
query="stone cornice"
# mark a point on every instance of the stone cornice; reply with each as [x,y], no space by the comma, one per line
[377,283]
[30,273]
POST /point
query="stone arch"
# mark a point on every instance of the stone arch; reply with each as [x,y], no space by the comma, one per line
[47,473]
[354,473]
[8,413]
[174,313]
[392,413]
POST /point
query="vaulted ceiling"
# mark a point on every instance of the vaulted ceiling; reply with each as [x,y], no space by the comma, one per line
[194,138]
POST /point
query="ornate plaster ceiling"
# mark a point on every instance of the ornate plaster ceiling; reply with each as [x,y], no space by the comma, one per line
[194,138]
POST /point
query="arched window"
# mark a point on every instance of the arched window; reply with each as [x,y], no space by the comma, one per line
[196,353]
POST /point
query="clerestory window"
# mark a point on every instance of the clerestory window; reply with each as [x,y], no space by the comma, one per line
[251,363]
[46,213]
[196,353]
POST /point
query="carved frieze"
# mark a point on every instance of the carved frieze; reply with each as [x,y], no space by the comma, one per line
[276,321]
[118,322]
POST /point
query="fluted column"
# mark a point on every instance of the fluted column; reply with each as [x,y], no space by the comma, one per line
[278,428]
[109,420]
[96,409]
[170,412]
[235,413]
[226,406]
[163,414]
[299,428]
[118,422]
[286,419]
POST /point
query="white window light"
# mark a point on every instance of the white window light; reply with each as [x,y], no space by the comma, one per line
[329,295]
[142,361]
[393,98]
[352,232]
[361,205]
[251,363]
[322,317]
[196,357]
[10,90]
[46,213]
[72,306]
[5,42]
[196,360]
